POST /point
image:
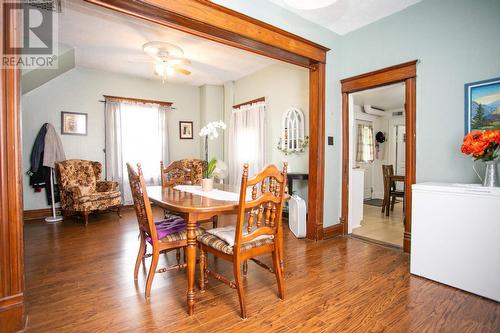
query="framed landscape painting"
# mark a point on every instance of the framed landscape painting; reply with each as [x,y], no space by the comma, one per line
[482,105]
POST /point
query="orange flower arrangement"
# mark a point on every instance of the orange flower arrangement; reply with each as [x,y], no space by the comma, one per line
[482,145]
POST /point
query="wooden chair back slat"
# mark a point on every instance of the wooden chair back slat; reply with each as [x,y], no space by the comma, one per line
[262,231]
[387,171]
[182,172]
[142,204]
[176,173]
[262,215]
[260,211]
[268,171]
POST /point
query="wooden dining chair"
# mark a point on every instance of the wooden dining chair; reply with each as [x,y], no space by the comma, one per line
[258,231]
[163,236]
[183,172]
[390,191]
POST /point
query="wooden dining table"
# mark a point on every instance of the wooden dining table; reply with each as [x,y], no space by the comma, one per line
[194,208]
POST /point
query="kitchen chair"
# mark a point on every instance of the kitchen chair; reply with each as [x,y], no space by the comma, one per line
[258,231]
[390,192]
[163,236]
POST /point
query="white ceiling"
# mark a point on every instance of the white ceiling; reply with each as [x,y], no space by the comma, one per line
[345,16]
[111,41]
[387,98]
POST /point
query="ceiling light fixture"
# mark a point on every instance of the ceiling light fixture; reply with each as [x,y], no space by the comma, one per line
[309,4]
[164,70]
[167,58]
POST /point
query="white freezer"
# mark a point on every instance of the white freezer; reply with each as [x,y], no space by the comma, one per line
[455,236]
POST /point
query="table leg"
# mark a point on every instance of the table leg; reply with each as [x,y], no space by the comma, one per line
[191,261]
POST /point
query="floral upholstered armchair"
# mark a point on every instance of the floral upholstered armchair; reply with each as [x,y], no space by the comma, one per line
[83,191]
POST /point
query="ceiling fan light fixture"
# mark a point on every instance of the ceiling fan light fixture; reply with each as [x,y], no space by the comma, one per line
[162,49]
[309,4]
[167,59]
[169,71]
[164,70]
[159,69]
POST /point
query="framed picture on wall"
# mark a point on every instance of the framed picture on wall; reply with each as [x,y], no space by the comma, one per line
[185,129]
[482,105]
[73,123]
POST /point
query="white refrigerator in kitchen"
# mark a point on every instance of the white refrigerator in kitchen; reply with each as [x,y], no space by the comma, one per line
[455,236]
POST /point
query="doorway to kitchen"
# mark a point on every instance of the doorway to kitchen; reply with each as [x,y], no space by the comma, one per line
[377,145]
[366,136]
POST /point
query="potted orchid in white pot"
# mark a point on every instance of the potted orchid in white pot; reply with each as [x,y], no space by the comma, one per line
[210,132]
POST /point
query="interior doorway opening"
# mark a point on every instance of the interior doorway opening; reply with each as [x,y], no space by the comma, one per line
[377,164]
[404,74]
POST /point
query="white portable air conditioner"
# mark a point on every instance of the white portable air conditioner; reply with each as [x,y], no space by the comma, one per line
[297,216]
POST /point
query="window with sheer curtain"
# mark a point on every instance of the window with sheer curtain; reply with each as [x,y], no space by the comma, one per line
[247,140]
[135,133]
[365,146]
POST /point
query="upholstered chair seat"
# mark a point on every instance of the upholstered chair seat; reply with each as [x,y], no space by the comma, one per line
[172,229]
[221,245]
[180,236]
[98,196]
[82,191]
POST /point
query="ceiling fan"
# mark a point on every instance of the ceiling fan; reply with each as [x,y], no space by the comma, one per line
[167,58]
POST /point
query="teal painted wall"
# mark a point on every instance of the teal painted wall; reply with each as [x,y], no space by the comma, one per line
[277,16]
[456,41]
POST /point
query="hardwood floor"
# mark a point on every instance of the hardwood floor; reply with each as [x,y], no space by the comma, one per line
[379,227]
[81,280]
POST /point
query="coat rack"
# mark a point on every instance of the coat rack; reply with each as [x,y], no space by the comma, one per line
[54,218]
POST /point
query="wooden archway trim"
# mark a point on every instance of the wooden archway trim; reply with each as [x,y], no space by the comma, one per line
[406,73]
[11,223]
[211,21]
[214,22]
[316,180]
[197,17]
[381,77]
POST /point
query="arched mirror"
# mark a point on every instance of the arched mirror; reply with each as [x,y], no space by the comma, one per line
[293,138]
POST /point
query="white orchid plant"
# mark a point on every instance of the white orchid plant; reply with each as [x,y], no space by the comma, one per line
[210,132]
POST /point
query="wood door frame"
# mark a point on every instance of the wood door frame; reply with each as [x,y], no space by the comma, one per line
[405,73]
[198,17]
[11,222]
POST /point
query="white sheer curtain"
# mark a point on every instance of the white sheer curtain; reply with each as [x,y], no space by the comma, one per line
[135,133]
[247,140]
